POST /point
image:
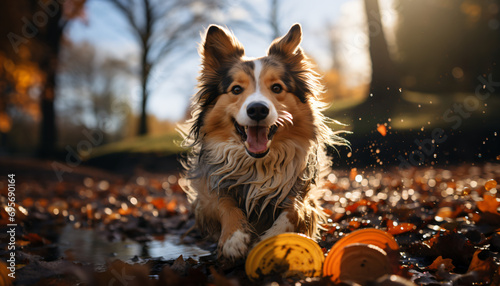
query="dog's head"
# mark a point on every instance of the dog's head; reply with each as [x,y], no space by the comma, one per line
[256,102]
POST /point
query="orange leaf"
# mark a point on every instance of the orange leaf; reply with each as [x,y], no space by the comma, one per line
[159,203]
[431,242]
[171,206]
[448,265]
[354,206]
[489,204]
[90,212]
[328,212]
[126,211]
[482,263]
[354,224]
[448,212]
[399,228]
[337,216]
[362,202]
[353,173]
[382,129]
[22,242]
[445,212]
[329,185]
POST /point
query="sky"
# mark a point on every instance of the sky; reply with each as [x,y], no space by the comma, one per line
[174,83]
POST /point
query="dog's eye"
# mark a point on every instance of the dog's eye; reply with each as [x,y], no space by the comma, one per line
[276,88]
[237,89]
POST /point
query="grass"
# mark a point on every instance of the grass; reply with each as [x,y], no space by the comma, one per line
[163,144]
[418,110]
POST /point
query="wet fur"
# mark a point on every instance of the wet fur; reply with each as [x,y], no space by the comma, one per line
[237,198]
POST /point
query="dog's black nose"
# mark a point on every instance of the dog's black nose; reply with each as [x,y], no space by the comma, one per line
[257,110]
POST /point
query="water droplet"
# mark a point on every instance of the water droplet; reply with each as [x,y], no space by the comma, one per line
[88,182]
[133,201]
[103,185]
[466,191]
[172,179]
[358,178]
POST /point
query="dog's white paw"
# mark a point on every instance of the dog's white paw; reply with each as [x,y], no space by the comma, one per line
[281,225]
[236,246]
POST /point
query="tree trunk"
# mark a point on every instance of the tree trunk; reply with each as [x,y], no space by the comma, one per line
[384,87]
[143,122]
[50,39]
[383,69]
[145,36]
[48,133]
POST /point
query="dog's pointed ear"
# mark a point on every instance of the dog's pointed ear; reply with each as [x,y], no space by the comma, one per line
[220,46]
[288,44]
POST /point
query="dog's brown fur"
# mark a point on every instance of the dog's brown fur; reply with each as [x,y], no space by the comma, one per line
[236,197]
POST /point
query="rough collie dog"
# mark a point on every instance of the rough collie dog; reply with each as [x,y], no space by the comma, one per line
[258,142]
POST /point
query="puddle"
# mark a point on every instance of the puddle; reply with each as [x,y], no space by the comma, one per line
[171,248]
[87,245]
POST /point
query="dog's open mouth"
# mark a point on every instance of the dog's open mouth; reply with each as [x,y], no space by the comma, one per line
[257,139]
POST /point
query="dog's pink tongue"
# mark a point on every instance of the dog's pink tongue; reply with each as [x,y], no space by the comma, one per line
[257,139]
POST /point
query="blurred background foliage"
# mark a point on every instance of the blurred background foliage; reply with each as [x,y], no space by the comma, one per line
[393,69]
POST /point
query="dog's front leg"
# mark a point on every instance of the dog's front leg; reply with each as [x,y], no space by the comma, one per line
[235,231]
[286,222]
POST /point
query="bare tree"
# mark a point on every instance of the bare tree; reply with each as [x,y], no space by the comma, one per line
[161,27]
[94,84]
[274,19]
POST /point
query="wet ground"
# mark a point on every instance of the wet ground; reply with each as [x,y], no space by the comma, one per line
[95,228]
